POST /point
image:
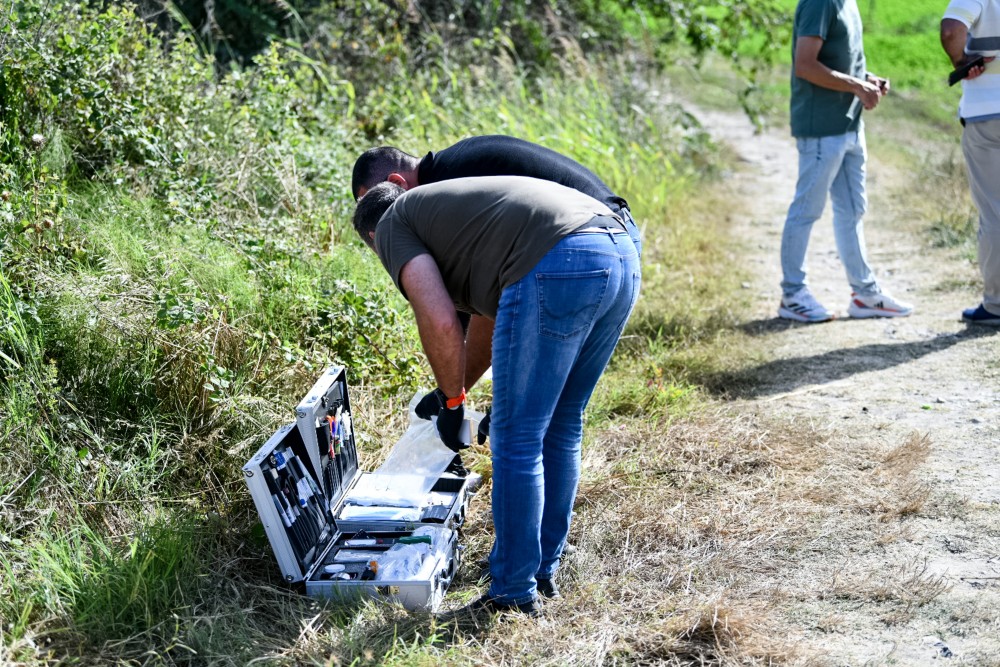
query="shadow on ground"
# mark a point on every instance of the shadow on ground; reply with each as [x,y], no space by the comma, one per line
[781,375]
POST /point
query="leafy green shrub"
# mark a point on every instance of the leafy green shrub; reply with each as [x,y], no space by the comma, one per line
[365,332]
[374,42]
[86,73]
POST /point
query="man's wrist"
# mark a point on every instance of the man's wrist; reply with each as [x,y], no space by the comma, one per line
[453,402]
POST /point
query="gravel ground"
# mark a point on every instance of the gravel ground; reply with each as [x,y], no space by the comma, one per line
[881,385]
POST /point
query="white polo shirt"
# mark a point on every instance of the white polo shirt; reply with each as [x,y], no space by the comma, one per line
[980,96]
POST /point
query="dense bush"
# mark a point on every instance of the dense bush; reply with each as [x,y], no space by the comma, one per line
[232,160]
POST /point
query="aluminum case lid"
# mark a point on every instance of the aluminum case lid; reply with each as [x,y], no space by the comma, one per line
[302,471]
[325,423]
[292,506]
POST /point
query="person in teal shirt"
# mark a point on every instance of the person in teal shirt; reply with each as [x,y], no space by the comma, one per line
[830,88]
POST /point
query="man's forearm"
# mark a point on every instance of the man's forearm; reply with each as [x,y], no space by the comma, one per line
[953,38]
[440,331]
[445,352]
[809,68]
[478,349]
[820,75]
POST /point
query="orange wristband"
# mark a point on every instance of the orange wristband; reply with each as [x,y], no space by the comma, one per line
[452,403]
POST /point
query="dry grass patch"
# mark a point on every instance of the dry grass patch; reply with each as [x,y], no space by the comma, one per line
[895,590]
[741,508]
[905,493]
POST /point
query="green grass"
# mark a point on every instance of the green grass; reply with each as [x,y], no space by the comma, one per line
[107,590]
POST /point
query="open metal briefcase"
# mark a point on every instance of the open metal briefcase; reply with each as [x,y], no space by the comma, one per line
[305,481]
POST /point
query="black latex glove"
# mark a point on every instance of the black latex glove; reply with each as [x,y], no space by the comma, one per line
[483,431]
[449,427]
[430,404]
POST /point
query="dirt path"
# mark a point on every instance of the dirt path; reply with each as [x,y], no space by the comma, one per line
[882,383]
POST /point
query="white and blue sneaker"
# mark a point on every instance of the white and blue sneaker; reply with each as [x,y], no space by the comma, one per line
[803,307]
[878,305]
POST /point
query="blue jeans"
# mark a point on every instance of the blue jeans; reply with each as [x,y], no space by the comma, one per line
[632,229]
[836,165]
[554,334]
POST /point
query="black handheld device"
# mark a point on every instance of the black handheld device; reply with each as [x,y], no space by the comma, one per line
[963,71]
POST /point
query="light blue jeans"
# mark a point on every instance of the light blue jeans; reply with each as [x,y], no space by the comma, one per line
[554,334]
[834,165]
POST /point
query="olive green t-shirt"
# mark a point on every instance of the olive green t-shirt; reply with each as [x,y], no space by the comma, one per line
[484,233]
[818,111]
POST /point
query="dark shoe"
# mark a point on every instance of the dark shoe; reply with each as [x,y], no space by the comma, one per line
[531,608]
[980,315]
[547,589]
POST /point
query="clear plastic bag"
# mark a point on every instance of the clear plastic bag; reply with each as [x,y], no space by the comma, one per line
[440,539]
[420,450]
[402,561]
[411,561]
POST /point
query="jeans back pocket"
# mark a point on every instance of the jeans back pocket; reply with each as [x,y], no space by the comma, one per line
[568,302]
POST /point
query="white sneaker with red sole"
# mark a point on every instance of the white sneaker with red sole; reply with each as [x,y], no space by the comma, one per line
[878,305]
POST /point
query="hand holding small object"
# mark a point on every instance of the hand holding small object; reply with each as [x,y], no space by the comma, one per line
[869,93]
[970,67]
[882,84]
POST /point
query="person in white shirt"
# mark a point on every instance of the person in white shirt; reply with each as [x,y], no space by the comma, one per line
[969,29]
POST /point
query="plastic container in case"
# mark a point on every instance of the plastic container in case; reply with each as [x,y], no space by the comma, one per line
[421,588]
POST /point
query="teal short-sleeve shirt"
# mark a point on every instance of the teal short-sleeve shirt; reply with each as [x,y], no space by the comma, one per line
[818,111]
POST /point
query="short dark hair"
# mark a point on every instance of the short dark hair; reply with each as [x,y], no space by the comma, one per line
[373,206]
[375,164]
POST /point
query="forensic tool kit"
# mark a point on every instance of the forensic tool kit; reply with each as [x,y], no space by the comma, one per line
[345,533]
